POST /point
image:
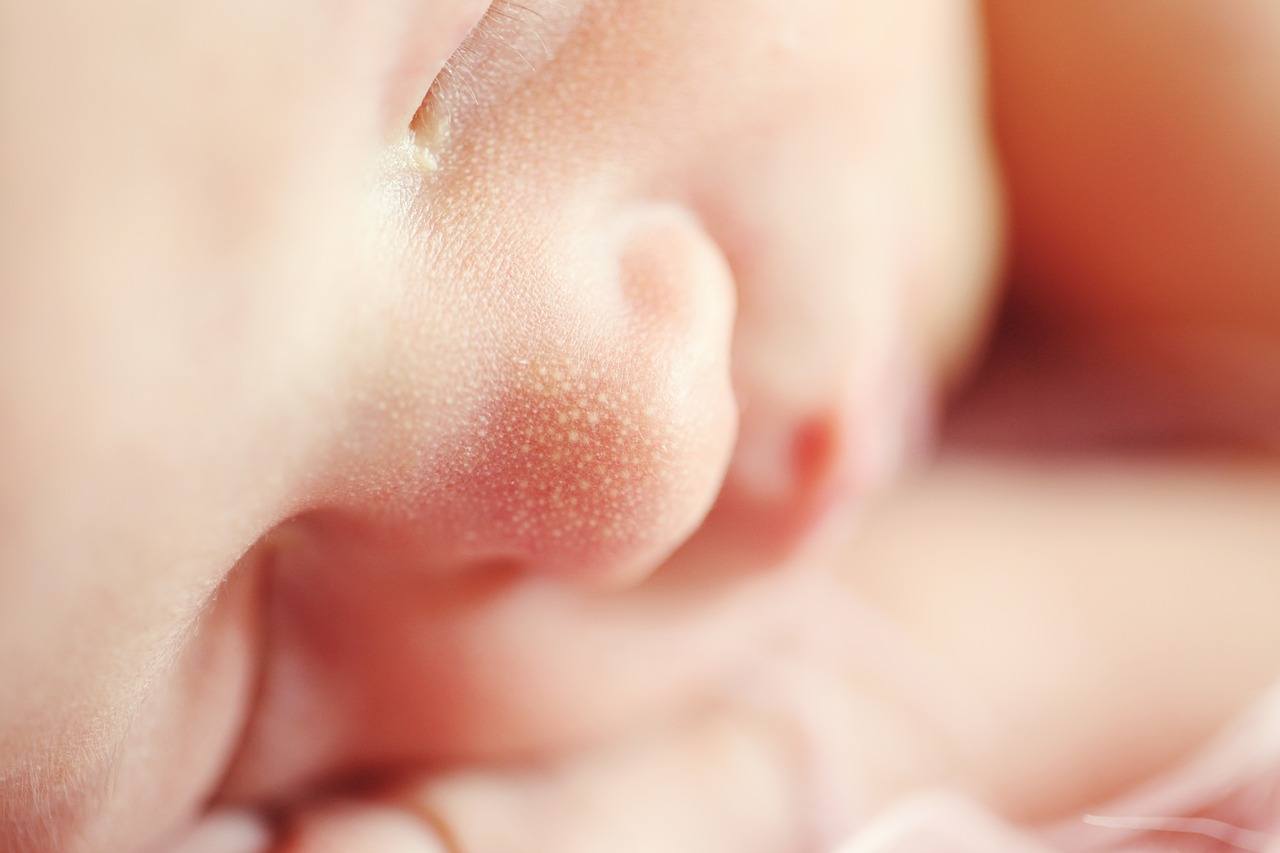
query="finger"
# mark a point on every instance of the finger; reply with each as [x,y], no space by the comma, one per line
[940,823]
[227,832]
[719,785]
[789,756]
[361,827]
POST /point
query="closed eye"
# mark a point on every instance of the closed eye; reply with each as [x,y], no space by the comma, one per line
[512,40]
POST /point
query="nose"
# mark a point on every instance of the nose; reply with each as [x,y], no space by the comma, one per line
[603,443]
[799,463]
[591,424]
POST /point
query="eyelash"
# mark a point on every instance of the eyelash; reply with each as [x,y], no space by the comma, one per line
[457,84]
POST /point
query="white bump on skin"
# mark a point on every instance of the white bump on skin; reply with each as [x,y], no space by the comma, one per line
[429,132]
[557,493]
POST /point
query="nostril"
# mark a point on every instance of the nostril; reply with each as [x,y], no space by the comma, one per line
[797,463]
[816,450]
[786,471]
[785,465]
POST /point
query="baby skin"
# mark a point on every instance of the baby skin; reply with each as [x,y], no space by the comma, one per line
[454,426]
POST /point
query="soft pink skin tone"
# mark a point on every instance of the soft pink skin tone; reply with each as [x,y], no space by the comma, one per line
[322,467]
[270,515]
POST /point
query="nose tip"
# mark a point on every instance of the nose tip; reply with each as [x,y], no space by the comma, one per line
[580,476]
[605,440]
[794,465]
[786,473]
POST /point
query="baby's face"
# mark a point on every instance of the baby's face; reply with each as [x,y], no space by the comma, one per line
[344,407]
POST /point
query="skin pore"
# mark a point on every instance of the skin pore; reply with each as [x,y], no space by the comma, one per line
[367,428]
